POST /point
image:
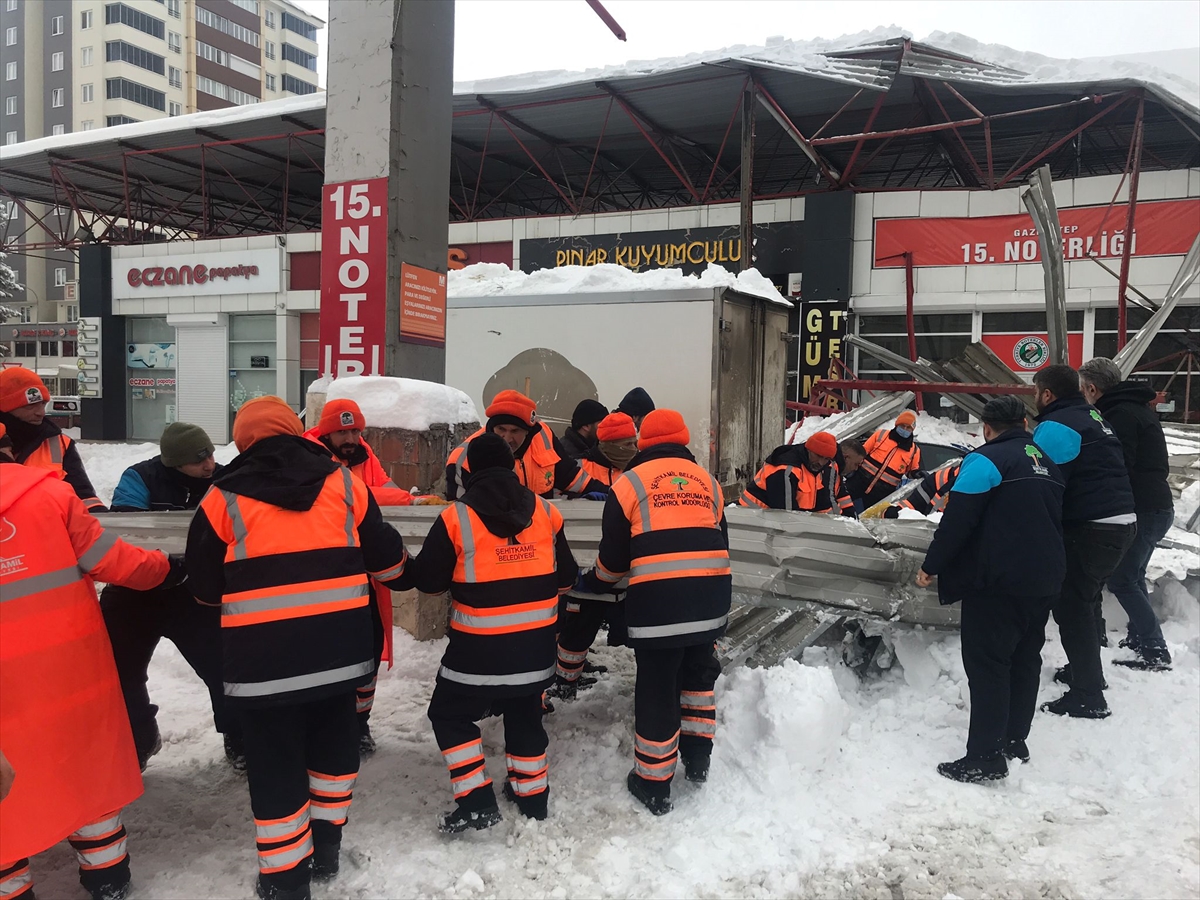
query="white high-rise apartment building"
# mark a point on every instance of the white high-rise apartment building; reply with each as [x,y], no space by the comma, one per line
[77,65]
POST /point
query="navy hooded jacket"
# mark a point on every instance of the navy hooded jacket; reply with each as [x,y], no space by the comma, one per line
[1076,437]
[1001,533]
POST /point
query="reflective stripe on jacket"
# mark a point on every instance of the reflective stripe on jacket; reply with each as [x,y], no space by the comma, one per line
[598,472]
[63,722]
[50,455]
[538,468]
[887,462]
[933,492]
[796,488]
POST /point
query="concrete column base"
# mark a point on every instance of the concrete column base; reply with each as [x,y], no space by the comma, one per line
[424,616]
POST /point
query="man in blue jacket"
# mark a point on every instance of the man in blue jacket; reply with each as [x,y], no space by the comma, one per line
[999,549]
[1099,523]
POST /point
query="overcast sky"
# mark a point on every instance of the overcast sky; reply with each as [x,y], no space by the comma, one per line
[508,37]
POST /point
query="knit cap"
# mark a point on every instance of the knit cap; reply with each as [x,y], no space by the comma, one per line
[183,443]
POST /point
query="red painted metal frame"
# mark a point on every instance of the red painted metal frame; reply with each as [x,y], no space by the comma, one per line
[607,19]
[830,386]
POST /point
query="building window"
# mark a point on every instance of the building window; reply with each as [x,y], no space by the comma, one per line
[73,313]
[296,86]
[225,26]
[270,82]
[247,5]
[268,17]
[224,91]
[58,129]
[175,42]
[174,109]
[299,26]
[56,61]
[10,137]
[10,71]
[10,36]
[10,6]
[270,50]
[56,25]
[119,51]
[69,349]
[10,106]
[57,97]
[173,8]
[86,93]
[8,210]
[25,348]
[85,56]
[87,125]
[60,276]
[49,348]
[115,13]
[85,20]
[119,120]
[125,89]
[299,57]
[175,77]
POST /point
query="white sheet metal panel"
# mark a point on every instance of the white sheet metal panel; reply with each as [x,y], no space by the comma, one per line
[202,377]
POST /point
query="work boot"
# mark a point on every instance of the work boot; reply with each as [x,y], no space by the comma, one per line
[111,891]
[534,807]
[460,819]
[155,746]
[267,890]
[1079,705]
[1016,750]
[326,859]
[1149,658]
[590,668]
[695,768]
[235,752]
[659,804]
[366,743]
[1129,642]
[1063,676]
[975,769]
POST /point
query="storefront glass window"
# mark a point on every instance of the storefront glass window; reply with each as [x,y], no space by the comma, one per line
[251,360]
[1164,356]
[150,376]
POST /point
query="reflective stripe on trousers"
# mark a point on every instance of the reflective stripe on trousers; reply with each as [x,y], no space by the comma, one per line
[364,697]
[101,844]
[15,882]
[330,796]
[528,775]
[283,843]
[655,760]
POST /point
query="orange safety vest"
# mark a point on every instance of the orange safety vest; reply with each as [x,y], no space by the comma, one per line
[597,472]
[49,455]
[63,722]
[802,496]
[383,489]
[535,468]
[886,462]
[504,606]
[277,566]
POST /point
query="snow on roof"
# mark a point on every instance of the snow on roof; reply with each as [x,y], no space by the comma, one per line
[498,280]
[401,402]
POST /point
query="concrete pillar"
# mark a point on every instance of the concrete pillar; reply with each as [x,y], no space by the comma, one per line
[287,363]
[103,418]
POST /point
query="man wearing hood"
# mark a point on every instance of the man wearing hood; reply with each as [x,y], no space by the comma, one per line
[580,437]
[37,441]
[285,544]
[891,455]
[585,613]
[1125,405]
[502,553]
[664,529]
[637,405]
[801,478]
[542,463]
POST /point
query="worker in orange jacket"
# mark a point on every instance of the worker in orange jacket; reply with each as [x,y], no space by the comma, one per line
[286,542]
[542,463]
[801,478]
[63,725]
[892,454]
[37,441]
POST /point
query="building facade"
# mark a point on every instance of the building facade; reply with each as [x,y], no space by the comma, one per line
[78,65]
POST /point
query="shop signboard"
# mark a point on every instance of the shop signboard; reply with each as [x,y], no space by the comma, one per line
[422,305]
[90,347]
[203,274]
[822,330]
[1161,228]
[150,356]
[1026,353]
[354,222]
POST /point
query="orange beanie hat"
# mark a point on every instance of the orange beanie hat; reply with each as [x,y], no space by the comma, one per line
[513,404]
[20,387]
[340,415]
[823,444]
[908,418]
[261,418]
[616,427]
[663,426]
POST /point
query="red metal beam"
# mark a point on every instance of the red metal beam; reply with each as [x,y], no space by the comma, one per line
[1015,172]
[633,117]
[966,150]
[930,387]
[858,147]
[721,150]
[607,19]
[806,146]
[567,200]
[600,140]
[1127,248]
[841,110]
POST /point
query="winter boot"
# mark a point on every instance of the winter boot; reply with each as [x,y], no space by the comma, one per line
[111,892]
[1129,642]
[366,743]
[155,746]
[590,668]
[1079,705]
[975,769]
[1016,750]
[657,803]
[235,753]
[1149,658]
[461,819]
[695,768]
[326,859]
[1063,676]
[535,807]
[268,890]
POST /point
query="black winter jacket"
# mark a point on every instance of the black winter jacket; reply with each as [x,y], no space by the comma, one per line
[1001,534]
[576,445]
[149,485]
[1126,408]
[1076,437]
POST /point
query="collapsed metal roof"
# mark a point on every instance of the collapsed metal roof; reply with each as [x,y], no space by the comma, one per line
[883,115]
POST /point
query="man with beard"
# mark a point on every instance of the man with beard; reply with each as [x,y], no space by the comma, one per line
[580,437]
[801,478]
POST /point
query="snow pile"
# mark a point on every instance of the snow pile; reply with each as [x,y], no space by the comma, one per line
[497,280]
[930,429]
[1189,499]
[1178,560]
[403,402]
[106,462]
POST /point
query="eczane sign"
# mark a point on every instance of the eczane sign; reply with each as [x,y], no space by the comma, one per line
[197,274]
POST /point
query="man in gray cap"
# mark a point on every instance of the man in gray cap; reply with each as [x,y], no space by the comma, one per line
[176,479]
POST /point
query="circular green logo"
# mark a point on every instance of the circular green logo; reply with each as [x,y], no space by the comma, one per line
[1031,352]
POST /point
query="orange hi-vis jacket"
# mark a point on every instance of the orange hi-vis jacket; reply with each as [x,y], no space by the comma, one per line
[540,468]
[385,491]
[786,483]
[933,492]
[887,462]
[664,526]
[51,454]
[600,472]
[63,723]
[296,615]
[504,590]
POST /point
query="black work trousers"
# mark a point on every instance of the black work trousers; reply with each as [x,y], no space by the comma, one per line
[674,710]
[1002,640]
[579,624]
[454,712]
[1093,553]
[136,621]
[301,763]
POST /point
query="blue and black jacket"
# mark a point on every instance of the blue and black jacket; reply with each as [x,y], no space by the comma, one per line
[1001,534]
[1076,437]
[151,486]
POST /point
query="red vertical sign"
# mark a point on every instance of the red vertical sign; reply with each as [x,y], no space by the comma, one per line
[353,277]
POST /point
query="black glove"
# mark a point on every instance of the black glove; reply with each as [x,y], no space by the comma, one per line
[892,512]
[177,574]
